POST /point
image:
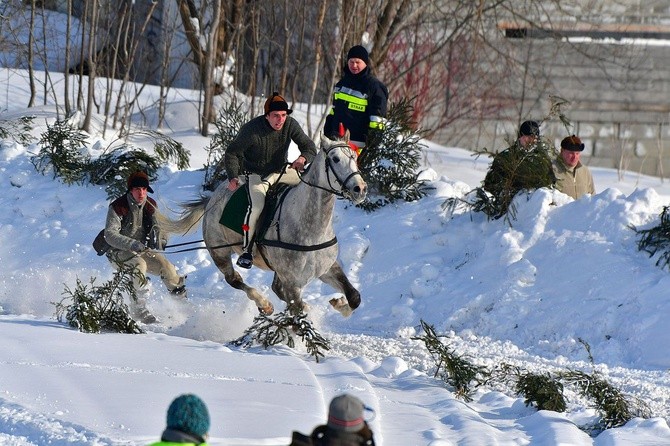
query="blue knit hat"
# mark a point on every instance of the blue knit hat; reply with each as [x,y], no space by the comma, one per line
[188,413]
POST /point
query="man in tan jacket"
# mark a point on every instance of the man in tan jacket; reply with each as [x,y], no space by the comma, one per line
[131,219]
[572,177]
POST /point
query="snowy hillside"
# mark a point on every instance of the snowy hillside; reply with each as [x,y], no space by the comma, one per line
[566,272]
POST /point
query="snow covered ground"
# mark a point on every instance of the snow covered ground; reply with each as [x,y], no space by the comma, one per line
[526,295]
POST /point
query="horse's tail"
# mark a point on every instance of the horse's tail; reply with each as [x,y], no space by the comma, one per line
[193,212]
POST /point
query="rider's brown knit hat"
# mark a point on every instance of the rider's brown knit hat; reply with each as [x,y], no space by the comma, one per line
[276,103]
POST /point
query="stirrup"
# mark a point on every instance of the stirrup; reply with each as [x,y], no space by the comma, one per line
[245,260]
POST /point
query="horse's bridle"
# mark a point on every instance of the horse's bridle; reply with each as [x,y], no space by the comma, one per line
[343,191]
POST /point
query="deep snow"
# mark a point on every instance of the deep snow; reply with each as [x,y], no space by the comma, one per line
[564,271]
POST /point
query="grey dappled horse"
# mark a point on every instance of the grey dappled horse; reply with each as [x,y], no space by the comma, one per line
[308,248]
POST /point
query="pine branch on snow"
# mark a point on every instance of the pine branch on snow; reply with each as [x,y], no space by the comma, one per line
[542,390]
[63,152]
[281,329]
[656,240]
[101,308]
[615,408]
[453,369]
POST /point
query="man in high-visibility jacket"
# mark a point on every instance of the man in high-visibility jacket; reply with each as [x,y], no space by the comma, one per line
[359,100]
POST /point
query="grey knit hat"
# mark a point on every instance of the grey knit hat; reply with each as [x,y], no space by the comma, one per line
[346,414]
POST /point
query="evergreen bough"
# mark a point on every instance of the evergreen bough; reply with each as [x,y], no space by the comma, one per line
[95,309]
[543,390]
[281,329]
[453,369]
[228,124]
[63,152]
[391,160]
[657,239]
[512,172]
[615,408]
[17,129]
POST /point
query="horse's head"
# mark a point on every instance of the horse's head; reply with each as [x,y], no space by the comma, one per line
[341,163]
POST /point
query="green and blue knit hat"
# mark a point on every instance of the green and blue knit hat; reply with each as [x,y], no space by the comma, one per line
[188,413]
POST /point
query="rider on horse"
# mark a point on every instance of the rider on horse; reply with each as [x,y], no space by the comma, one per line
[259,154]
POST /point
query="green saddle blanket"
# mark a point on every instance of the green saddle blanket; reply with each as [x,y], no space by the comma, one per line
[236,209]
[233,214]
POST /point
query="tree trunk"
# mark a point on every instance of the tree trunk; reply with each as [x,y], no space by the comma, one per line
[66,70]
[208,86]
[91,61]
[31,56]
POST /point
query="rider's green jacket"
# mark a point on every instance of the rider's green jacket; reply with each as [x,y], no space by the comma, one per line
[260,149]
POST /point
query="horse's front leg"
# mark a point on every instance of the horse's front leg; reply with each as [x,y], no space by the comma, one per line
[336,278]
[289,293]
[224,263]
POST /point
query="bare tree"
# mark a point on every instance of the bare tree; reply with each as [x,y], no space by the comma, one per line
[318,55]
[31,43]
[66,69]
[128,45]
[91,64]
[208,114]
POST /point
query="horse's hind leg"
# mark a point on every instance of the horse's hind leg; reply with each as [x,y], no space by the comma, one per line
[225,265]
[336,278]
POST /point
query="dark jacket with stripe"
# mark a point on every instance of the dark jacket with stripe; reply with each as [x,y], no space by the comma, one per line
[359,103]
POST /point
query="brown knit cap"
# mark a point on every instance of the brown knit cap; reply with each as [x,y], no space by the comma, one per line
[139,179]
[276,103]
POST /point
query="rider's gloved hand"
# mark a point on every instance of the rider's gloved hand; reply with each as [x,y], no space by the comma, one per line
[137,246]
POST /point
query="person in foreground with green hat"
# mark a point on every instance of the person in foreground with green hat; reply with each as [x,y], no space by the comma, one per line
[188,422]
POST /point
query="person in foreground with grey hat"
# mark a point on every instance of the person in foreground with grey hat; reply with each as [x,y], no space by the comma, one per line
[346,426]
[131,234]
[188,422]
[359,100]
[526,164]
[259,154]
[572,177]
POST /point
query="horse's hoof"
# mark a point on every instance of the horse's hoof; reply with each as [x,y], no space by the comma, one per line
[342,306]
[267,310]
[298,309]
